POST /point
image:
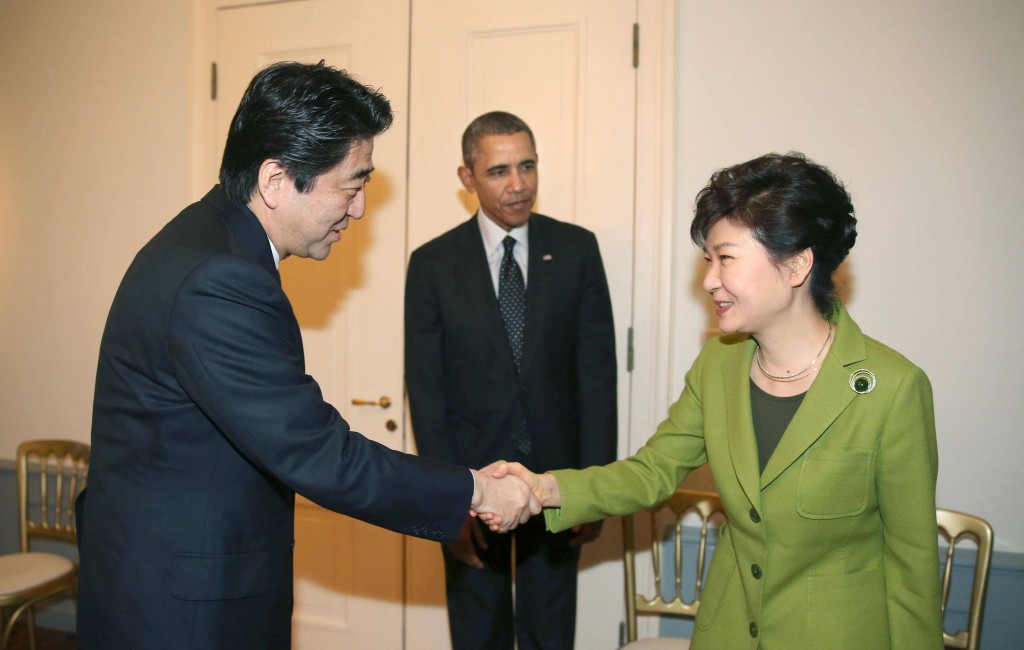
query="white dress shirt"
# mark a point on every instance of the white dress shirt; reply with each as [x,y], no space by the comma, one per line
[493,235]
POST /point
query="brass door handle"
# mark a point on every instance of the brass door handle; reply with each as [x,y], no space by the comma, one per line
[383,402]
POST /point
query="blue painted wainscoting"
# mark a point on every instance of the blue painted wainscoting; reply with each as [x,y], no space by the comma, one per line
[1003,622]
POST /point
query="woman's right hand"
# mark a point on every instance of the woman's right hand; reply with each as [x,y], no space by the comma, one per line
[544,486]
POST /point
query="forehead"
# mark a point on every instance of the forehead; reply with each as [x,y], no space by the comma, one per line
[505,148]
[728,233]
[357,164]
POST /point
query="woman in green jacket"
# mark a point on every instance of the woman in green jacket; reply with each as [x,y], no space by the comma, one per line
[821,440]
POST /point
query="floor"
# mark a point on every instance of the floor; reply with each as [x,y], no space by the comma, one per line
[45,639]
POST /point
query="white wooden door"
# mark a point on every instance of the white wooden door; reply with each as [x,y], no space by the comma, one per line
[566,68]
[348,575]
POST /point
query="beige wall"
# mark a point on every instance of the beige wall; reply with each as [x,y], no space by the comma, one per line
[915,104]
[93,159]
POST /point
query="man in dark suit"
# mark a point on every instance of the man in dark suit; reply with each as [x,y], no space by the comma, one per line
[205,424]
[510,353]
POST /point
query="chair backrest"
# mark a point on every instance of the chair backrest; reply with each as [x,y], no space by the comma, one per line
[51,473]
[705,505]
[955,526]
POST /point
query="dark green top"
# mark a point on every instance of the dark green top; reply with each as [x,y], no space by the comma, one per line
[771,417]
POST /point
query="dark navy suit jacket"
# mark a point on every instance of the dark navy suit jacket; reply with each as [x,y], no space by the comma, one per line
[465,396]
[205,426]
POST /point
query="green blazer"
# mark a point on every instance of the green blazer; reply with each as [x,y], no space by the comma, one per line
[835,544]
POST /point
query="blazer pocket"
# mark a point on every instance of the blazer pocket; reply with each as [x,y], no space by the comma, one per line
[723,566]
[845,608]
[199,576]
[833,483]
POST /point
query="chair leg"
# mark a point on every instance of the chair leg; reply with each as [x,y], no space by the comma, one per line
[29,610]
[30,621]
[6,623]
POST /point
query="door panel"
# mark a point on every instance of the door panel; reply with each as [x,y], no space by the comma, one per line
[348,575]
[565,68]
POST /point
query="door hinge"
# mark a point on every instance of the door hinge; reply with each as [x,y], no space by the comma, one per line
[213,81]
[636,45]
[629,350]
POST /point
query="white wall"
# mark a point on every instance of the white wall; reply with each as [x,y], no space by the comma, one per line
[93,160]
[917,105]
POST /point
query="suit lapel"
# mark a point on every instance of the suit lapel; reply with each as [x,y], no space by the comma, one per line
[475,278]
[740,424]
[825,401]
[540,271]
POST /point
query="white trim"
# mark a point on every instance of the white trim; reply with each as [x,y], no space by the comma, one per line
[653,236]
[654,221]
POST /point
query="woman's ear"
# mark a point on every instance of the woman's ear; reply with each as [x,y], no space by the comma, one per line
[799,267]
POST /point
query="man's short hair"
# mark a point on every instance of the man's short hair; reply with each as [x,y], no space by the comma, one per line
[493,123]
[307,117]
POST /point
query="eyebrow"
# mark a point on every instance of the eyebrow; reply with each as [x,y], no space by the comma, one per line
[718,247]
[502,167]
[361,173]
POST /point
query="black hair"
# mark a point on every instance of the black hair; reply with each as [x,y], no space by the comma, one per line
[493,123]
[307,117]
[789,203]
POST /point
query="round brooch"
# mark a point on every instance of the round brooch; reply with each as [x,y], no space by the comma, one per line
[862,381]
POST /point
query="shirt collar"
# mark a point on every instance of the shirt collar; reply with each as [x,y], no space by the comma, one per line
[493,234]
[277,256]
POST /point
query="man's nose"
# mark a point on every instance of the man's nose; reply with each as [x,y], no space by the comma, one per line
[357,208]
[515,181]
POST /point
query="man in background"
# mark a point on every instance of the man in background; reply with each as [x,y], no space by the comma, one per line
[205,424]
[510,353]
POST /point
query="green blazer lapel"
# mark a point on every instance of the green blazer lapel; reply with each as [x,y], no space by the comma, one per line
[740,423]
[828,397]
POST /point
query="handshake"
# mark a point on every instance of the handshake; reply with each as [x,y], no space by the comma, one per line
[507,494]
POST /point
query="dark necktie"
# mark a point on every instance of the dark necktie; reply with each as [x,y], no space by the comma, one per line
[512,302]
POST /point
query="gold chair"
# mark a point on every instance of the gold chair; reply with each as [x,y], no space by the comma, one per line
[51,473]
[704,504]
[954,526]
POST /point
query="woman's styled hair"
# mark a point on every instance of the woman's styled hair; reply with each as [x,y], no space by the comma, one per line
[789,203]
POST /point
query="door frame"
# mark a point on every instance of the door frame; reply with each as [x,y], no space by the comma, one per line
[655,227]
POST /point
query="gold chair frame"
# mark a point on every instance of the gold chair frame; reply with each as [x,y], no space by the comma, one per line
[61,468]
[955,526]
[706,505]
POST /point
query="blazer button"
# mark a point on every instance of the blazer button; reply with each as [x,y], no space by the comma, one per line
[755,571]
[753,629]
[754,517]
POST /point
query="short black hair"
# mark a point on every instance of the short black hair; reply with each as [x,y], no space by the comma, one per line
[789,203]
[493,123]
[305,116]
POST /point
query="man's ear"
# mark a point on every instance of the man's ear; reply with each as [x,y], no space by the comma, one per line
[799,267]
[466,176]
[272,182]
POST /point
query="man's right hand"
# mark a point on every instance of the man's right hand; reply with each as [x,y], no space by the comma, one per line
[470,538]
[509,499]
